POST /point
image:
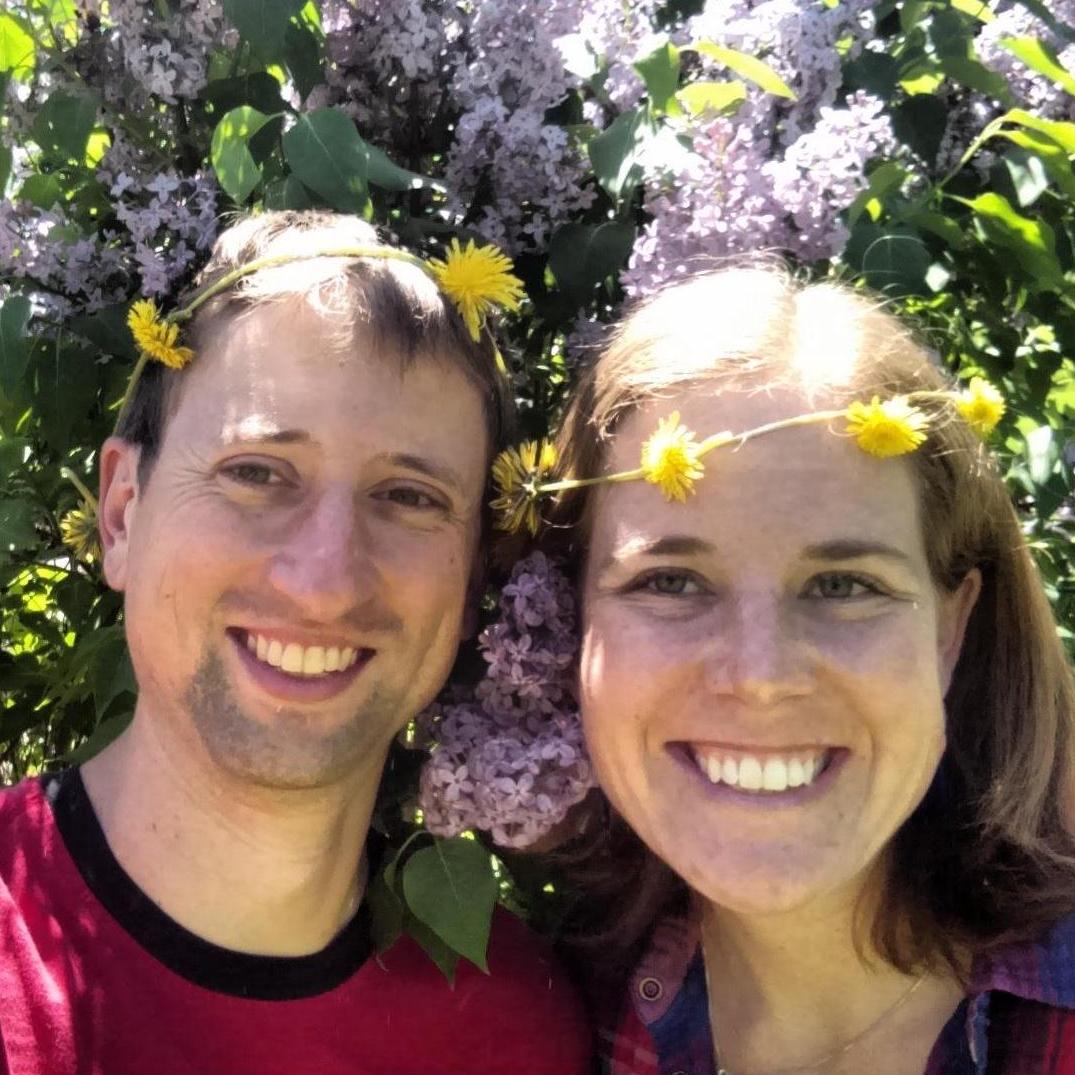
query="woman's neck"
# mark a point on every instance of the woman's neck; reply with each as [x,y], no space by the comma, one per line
[791,991]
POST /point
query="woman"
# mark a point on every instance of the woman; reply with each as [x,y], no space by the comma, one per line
[823,695]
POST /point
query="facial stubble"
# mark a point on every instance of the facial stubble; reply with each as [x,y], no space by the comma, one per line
[287,750]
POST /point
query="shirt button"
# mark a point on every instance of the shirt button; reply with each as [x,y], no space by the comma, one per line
[650,989]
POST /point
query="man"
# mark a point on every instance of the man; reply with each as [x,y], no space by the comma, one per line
[294,521]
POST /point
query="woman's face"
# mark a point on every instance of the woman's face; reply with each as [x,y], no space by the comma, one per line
[764,667]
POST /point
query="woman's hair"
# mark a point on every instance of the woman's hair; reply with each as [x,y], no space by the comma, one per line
[393,301]
[988,857]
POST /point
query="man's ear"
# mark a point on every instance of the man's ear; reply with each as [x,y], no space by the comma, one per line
[118,501]
[954,611]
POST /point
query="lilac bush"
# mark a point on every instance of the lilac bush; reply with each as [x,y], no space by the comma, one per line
[510,758]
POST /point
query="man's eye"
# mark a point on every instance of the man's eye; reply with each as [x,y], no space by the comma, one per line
[252,474]
[408,497]
[839,585]
[669,584]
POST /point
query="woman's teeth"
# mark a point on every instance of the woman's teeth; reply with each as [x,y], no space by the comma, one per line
[763,774]
[301,660]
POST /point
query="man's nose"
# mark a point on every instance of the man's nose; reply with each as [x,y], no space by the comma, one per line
[757,654]
[326,567]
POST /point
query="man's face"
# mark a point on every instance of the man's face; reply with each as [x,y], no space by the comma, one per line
[296,567]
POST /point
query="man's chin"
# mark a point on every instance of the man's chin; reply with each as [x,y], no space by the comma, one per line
[277,746]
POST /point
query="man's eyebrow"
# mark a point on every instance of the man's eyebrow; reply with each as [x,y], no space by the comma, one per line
[853,549]
[248,432]
[439,471]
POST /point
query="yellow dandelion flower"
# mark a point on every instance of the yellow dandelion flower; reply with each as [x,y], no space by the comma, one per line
[517,475]
[888,428]
[476,279]
[981,406]
[157,337]
[670,459]
[78,529]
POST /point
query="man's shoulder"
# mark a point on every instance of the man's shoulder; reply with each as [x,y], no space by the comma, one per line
[23,809]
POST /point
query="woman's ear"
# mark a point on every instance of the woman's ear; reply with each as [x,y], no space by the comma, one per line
[954,611]
[118,504]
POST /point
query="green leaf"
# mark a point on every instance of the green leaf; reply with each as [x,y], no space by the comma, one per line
[977,9]
[722,98]
[944,227]
[897,264]
[1052,156]
[976,76]
[17,524]
[262,23]
[920,122]
[1061,133]
[111,673]
[12,455]
[43,191]
[1039,57]
[105,732]
[876,72]
[303,57]
[1041,454]
[884,179]
[5,167]
[65,122]
[17,51]
[14,345]
[614,153]
[660,72]
[747,66]
[233,163]
[581,256]
[1027,174]
[445,958]
[326,152]
[386,913]
[1031,241]
[450,887]
[381,172]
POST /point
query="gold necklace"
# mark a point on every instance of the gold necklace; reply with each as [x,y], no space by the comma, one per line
[836,1053]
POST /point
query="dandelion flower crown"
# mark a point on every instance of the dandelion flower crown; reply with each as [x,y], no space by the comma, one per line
[476,279]
[672,457]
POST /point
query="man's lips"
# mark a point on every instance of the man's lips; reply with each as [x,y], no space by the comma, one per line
[294,672]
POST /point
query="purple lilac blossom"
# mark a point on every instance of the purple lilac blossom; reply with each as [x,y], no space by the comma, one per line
[511,760]
[1031,90]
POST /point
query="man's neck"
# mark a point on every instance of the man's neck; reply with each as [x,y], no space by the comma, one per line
[261,870]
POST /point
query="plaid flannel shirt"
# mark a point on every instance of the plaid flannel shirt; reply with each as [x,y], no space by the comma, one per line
[1018,1019]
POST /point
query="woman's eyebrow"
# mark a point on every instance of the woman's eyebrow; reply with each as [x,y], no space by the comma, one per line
[670,545]
[852,549]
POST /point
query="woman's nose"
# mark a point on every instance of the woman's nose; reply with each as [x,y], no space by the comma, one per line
[756,655]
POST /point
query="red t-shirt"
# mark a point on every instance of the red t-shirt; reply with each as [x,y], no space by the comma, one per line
[96,980]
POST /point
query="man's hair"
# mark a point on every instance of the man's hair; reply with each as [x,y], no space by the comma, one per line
[988,857]
[396,303]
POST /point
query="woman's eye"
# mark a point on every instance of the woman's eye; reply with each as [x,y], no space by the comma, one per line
[670,584]
[836,585]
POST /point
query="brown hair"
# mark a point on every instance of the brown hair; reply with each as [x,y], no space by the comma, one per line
[393,300]
[988,857]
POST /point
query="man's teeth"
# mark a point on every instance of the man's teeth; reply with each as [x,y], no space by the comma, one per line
[749,773]
[301,660]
